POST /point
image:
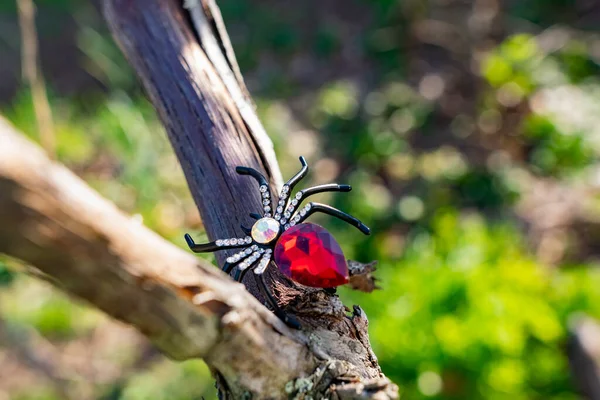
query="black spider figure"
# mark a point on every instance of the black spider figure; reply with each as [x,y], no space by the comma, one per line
[258,247]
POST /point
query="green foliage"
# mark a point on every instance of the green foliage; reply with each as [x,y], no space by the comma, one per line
[38,394]
[554,152]
[51,313]
[515,61]
[6,275]
[561,143]
[467,313]
[484,190]
[189,380]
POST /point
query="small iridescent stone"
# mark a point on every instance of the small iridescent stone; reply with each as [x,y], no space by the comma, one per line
[265,230]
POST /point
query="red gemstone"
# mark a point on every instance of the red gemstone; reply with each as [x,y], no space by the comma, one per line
[309,255]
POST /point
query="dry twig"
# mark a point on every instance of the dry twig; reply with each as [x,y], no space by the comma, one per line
[34,77]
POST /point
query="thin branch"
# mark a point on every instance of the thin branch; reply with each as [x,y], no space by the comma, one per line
[34,77]
[361,276]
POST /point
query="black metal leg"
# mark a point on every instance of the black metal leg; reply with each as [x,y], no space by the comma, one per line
[208,247]
[262,181]
[255,216]
[289,319]
[330,187]
[260,178]
[246,230]
[240,274]
[228,267]
[200,248]
[318,207]
[299,175]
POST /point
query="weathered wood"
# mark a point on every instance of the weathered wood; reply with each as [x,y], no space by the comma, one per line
[203,123]
[189,309]
[202,102]
[52,220]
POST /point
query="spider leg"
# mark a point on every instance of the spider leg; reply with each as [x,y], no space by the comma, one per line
[258,271]
[227,268]
[289,320]
[240,274]
[255,215]
[286,190]
[236,259]
[330,187]
[299,175]
[250,262]
[312,208]
[260,178]
[305,193]
[200,248]
[264,187]
[246,230]
[211,246]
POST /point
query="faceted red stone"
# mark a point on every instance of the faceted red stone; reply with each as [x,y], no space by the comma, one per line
[309,255]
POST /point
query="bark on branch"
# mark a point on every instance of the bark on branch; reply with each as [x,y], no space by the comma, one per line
[192,79]
[54,221]
[50,219]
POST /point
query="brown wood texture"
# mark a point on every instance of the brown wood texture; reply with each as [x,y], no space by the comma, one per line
[52,220]
[198,98]
[83,244]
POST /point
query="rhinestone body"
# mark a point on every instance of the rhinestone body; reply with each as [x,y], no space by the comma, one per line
[309,255]
[265,230]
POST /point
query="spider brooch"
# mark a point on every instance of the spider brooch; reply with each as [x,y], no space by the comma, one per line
[303,251]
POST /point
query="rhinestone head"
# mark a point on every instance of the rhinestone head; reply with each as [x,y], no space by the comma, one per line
[265,230]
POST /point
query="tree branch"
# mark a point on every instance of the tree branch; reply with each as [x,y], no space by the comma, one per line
[192,79]
[187,308]
[54,221]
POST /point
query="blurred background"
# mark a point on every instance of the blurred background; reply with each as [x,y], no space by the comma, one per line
[470,130]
